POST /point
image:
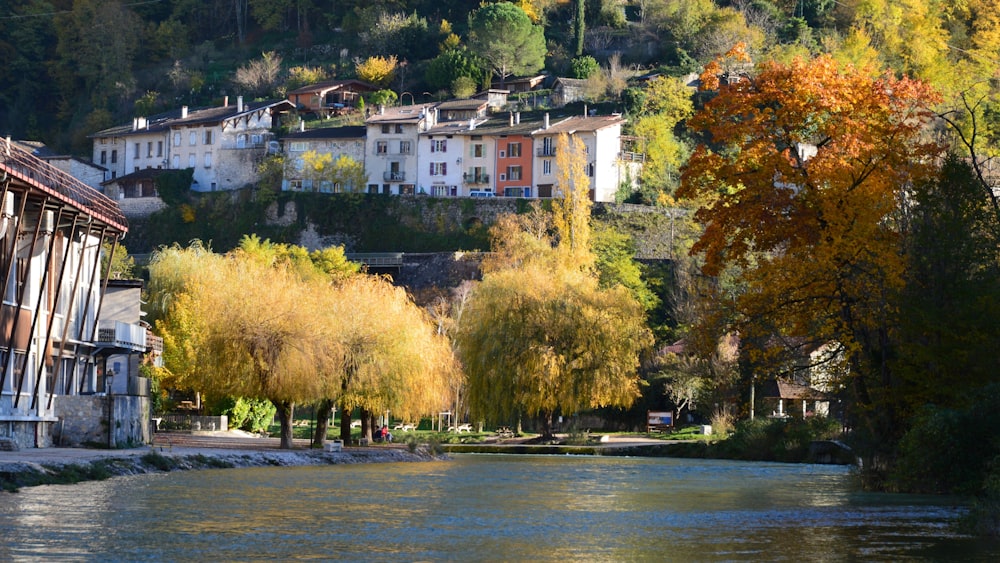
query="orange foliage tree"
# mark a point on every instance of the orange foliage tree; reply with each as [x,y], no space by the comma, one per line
[800,179]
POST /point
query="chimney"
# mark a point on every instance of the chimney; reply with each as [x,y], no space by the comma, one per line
[135,123]
[239,104]
[302,125]
[546,120]
[585,110]
[381,109]
[517,118]
[472,124]
[184,112]
[511,119]
[225,101]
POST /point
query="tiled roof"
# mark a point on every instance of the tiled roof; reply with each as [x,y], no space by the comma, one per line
[346,132]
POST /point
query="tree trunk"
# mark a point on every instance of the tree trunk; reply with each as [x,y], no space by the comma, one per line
[323,411]
[345,424]
[366,425]
[285,411]
[547,426]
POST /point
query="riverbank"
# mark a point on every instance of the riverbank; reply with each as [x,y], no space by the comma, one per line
[46,466]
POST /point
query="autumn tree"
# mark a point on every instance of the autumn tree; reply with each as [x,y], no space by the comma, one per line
[538,335]
[665,103]
[328,174]
[504,36]
[377,70]
[390,355]
[244,325]
[800,178]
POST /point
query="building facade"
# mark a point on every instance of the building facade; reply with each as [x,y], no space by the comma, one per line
[222,145]
[51,232]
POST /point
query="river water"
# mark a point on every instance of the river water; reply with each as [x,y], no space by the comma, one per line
[487,507]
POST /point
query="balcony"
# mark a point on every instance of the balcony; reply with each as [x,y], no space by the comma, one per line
[545,151]
[124,336]
[396,176]
[476,178]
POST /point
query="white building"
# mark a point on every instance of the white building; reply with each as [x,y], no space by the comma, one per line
[391,147]
[223,145]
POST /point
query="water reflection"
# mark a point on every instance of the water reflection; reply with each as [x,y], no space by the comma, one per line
[479,507]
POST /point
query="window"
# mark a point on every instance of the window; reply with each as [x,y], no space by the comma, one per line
[386,128]
[192,160]
[241,141]
[177,139]
[381,147]
[513,172]
[373,188]
[590,170]
[478,150]
[193,138]
[404,147]
[439,145]
[546,167]
[208,160]
[295,185]
[135,153]
[514,149]
[114,156]
[176,164]
[406,189]
[256,139]
[440,191]
[295,146]
[149,149]
[439,168]
[399,128]
[159,148]
[208,136]
[104,157]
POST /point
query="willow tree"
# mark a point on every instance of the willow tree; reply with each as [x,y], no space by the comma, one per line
[538,335]
[390,357]
[249,324]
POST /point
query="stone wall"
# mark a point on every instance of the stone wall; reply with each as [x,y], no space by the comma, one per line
[140,206]
[83,419]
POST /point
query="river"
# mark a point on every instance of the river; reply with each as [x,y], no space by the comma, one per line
[487,507]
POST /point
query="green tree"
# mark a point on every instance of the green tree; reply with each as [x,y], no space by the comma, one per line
[443,69]
[584,67]
[503,36]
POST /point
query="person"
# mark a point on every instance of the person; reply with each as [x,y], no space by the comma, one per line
[384,433]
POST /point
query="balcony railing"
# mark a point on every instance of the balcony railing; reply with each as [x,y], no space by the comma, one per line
[546,151]
[632,156]
[476,178]
[117,334]
[394,176]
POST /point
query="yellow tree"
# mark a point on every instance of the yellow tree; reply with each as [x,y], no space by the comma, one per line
[538,335]
[390,356]
[377,70]
[801,176]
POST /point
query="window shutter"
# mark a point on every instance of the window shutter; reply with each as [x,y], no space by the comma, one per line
[444,168]
[432,169]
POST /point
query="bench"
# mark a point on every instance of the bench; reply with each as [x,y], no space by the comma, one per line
[404,427]
[334,446]
[355,424]
[460,428]
[505,432]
